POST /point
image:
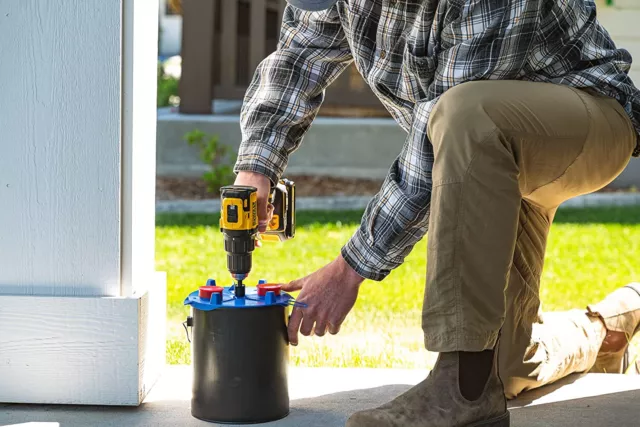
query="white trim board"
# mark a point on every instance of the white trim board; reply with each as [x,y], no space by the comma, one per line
[138,145]
[82,350]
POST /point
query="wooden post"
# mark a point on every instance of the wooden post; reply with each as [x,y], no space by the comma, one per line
[282,4]
[228,48]
[257,33]
[196,82]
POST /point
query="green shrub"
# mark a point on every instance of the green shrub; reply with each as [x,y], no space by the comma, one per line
[167,88]
[214,155]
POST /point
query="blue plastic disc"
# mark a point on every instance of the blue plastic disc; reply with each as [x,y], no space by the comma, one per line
[229,300]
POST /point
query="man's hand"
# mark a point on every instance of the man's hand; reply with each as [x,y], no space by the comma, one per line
[263,184]
[329,294]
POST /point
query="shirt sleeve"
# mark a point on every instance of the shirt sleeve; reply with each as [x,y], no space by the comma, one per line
[398,216]
[288,88]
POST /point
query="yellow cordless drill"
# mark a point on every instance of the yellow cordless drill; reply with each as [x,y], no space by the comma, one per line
[239,224]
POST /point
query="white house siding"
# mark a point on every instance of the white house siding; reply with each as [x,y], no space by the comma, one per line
[60,147]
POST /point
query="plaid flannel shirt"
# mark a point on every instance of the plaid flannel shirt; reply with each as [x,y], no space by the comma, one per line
[410,52]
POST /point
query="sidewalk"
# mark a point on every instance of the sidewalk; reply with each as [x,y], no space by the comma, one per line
[338,203]
[326,397]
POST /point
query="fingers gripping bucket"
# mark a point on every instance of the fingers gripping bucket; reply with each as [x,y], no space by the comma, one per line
[240,354]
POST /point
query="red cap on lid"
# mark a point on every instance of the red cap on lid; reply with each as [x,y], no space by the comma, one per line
[266,287]
[207,291]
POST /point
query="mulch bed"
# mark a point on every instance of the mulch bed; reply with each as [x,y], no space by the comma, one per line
[306,186]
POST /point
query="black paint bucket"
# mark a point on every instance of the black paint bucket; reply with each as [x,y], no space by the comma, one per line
[240,355]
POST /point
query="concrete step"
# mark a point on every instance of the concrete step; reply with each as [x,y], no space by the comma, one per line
[326,398]
[344,147]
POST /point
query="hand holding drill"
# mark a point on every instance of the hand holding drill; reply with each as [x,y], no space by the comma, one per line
[328,294]
[250,211]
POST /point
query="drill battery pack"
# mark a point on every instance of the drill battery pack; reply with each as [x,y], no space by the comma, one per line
[283,222]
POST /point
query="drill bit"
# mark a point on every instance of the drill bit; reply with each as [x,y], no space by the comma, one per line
[240,289]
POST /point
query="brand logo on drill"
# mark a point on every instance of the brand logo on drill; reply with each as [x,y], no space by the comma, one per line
[254,212]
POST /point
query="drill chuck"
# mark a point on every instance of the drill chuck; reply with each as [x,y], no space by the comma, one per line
[239,254]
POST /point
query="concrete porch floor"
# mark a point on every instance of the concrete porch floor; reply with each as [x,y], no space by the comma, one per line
[326,397]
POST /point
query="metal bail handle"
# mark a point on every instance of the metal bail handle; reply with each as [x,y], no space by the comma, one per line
[188,324]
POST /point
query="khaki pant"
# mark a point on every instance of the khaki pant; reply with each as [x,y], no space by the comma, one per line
[507,154]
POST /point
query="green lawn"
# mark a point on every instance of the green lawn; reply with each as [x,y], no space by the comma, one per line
[590,253]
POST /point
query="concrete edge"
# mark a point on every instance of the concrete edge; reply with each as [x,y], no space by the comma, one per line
[603,200]
[339,203]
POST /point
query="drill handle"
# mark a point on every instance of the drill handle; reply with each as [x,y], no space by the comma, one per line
[283,222]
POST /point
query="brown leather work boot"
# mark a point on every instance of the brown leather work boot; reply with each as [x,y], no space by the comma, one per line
[438,402]
[620,313]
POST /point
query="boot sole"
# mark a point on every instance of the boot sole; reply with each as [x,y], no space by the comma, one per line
[501,421]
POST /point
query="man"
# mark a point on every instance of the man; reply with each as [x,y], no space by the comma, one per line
[510,108]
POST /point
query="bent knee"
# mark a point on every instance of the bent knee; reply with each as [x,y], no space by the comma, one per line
[460,116]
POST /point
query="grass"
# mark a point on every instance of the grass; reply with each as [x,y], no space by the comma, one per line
[590,253]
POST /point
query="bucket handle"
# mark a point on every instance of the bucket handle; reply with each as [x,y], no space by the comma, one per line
[296,304]
[188,324]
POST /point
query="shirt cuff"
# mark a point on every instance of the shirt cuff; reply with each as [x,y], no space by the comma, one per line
[261,157]
[365,259]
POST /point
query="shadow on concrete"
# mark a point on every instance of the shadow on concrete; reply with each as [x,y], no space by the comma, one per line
[616,409]
[323,411]
[532,396]
[332,410]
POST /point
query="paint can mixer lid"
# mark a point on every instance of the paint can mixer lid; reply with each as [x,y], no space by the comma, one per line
[212,297]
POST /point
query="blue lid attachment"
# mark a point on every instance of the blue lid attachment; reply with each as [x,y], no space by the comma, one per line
[208,301]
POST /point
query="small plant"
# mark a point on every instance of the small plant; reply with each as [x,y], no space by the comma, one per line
[167,88]
[214,155]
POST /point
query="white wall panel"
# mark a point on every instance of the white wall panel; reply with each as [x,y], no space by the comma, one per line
[60,156]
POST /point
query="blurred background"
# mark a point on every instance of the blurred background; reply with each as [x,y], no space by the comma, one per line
[208,51]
